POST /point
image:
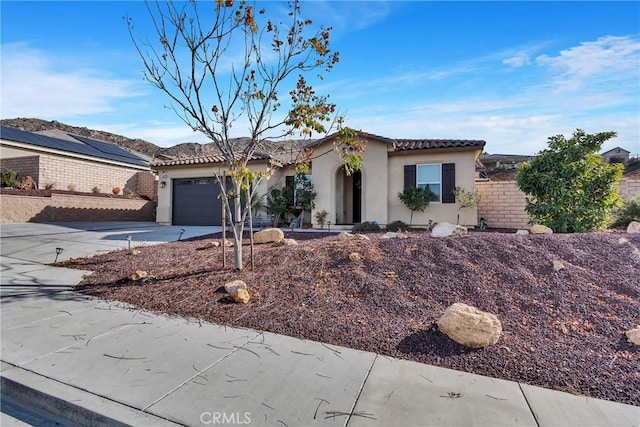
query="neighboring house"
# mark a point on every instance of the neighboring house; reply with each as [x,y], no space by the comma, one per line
[370,194]
[616,155]
[503,161]
[66,161]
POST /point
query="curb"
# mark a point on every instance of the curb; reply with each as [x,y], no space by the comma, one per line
[69,404]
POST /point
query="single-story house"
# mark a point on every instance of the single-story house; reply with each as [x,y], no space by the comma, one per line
[616,155]
[188,191]
[65,161]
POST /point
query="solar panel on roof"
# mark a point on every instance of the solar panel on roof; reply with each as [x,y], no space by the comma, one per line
[87,149]
[107,147]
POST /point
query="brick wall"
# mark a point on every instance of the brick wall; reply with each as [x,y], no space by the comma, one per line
[503,203]
[630,187]
[68,207]
[147,184]
[84,175]
[24,166]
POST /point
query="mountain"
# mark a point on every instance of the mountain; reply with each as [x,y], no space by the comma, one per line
[188,149]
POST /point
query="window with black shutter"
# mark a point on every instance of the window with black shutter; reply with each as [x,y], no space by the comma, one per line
[440,178]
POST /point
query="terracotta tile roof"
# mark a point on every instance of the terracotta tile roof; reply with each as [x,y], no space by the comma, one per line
[425,144]
[203,160]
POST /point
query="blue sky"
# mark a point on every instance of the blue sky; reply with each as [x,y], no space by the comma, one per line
[511,73]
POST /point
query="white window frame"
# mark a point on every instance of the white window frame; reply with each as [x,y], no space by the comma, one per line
[425,183]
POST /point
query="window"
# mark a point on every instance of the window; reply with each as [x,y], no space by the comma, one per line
[430,176]
[441,179]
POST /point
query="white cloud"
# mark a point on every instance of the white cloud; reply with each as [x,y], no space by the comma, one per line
[35,85]
[609,59]
[517,61]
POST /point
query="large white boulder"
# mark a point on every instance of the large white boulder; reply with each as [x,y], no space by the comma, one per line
[633,227]
[268,235]
[540,229]
[445,229]
[469,326]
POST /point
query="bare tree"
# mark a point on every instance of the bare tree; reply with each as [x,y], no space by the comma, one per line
[224,62]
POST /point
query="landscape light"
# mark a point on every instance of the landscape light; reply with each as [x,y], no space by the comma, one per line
[129,241]
[58,252]
[182,230]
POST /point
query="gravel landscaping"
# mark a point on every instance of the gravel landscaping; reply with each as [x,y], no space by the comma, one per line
[563,327]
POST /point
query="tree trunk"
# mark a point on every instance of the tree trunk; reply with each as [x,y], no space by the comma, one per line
[237,228]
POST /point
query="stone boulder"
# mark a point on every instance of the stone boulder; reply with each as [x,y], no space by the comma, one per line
[237,289]
[633,335]
[138,274]
[522,232]
[557,266]
[393,235]
[469,326]
[540,229]
[355,257]
[445,229]
[268,235]
[633,227]
[286,242]
[349,236]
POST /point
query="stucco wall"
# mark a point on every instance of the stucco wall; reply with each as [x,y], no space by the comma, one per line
[437,212]
[67,207]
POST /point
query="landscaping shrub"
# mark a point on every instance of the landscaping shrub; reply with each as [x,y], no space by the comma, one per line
[629,211]
[569,187]
[396,226]
[365,226]
[9,178]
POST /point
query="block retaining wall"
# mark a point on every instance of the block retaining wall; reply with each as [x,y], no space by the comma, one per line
[67,207]
[503,203]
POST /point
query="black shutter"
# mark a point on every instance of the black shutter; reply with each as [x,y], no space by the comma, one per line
[290,189]
[448,182]
[409,176]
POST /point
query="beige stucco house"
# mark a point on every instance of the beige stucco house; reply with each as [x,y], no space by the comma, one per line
[188,190]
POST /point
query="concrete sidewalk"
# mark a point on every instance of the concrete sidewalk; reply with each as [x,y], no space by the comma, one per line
[93,362]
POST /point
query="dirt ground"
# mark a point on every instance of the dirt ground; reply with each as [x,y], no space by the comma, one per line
[561,329]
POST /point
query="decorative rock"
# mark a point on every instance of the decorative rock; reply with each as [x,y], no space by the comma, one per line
[212,245]
[633,335]
[349,236]
[139,274]
[355,257]
[557,266]
[522,232]
[242,296]
[234,286]
[393,235]
[238,291]
[268,235]
[469,326]
[135,252]
[228,243]
[445,229]
[285,242]
[540,229]
[633,227]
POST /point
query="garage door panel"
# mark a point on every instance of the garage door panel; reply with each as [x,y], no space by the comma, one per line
[196,201]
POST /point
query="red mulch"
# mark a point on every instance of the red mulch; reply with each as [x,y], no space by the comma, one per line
[562,330]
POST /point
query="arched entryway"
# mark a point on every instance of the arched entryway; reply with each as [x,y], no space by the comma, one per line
[348,195]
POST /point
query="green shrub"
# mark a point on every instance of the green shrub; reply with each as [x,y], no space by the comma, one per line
[9,178]
[629,211]
[365,226]
[569,187]
[396,226]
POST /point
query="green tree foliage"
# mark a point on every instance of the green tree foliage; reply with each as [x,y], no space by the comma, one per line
[569,187]
[417,199]
[630,211]
[305,192]
[278,203]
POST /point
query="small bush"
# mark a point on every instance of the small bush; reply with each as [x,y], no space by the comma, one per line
[365,226]
[49,185]
[9,178]
[629,211]
[95,189]
[396,226]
